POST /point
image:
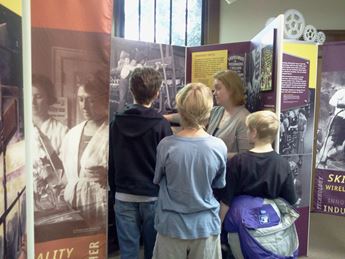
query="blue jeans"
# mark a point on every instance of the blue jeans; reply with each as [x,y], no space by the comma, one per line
[132,220]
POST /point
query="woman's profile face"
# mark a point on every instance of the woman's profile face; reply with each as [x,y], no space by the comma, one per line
[39,102]
[221,93]
[90,105]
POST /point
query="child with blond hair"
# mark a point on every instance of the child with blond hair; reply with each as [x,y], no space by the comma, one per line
[253,178]
[260,172]
[189,164]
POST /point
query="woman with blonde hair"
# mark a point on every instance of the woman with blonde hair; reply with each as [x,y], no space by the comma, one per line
[189,165]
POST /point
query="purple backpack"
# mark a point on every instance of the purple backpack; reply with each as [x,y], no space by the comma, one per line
[261,228]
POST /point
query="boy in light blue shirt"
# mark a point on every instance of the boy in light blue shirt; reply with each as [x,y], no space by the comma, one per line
[189,164]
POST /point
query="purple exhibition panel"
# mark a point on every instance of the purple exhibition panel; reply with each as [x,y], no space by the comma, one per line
[302,226]
[329,193]
[295,82]
[333,57]
[329,185]
[296,138]
[268,100]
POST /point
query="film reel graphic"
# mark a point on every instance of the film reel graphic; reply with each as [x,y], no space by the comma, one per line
[310,33]
[321,37]
[294,24]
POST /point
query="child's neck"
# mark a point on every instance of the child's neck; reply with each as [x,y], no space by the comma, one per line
[192,132]
[144,105]
[261,147]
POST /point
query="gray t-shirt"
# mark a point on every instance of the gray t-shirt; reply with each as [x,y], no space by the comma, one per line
[187,169]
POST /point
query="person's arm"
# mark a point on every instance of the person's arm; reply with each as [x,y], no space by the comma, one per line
[224,208]
[173,118]
[219,180]
[241,139]
[159,170]
[227,194]
[165,130]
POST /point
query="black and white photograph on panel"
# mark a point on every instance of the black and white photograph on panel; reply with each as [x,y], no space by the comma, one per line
[253,79]
[126,55]
[70,95]
[331,125]
[300,166]
[295,129]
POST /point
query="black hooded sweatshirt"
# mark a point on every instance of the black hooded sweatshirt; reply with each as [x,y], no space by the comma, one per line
[133,140]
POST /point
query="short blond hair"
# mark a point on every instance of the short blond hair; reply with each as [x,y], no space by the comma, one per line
[265,123]
[194,103]
[233,83]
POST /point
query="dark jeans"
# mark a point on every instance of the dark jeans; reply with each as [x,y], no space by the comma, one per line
[132,220]
[226,250]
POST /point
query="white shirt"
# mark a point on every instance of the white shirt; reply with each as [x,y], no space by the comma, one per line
[338,97]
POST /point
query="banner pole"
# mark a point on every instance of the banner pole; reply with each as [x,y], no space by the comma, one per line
[26,28]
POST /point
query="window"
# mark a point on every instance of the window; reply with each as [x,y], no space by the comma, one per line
[176,22]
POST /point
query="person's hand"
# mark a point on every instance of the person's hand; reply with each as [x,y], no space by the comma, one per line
[168,117]
[173,118]
[97,174]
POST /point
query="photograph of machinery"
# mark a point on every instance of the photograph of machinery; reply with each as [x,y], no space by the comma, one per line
[126,55]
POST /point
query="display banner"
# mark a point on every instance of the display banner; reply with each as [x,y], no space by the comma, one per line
[12,145]
[70,96]
[329,179]
[297,124]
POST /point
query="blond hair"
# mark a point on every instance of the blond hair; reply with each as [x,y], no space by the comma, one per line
[233,84]
[194,103]
[265,123]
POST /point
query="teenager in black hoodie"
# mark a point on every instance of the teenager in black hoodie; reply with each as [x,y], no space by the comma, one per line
[134,136]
